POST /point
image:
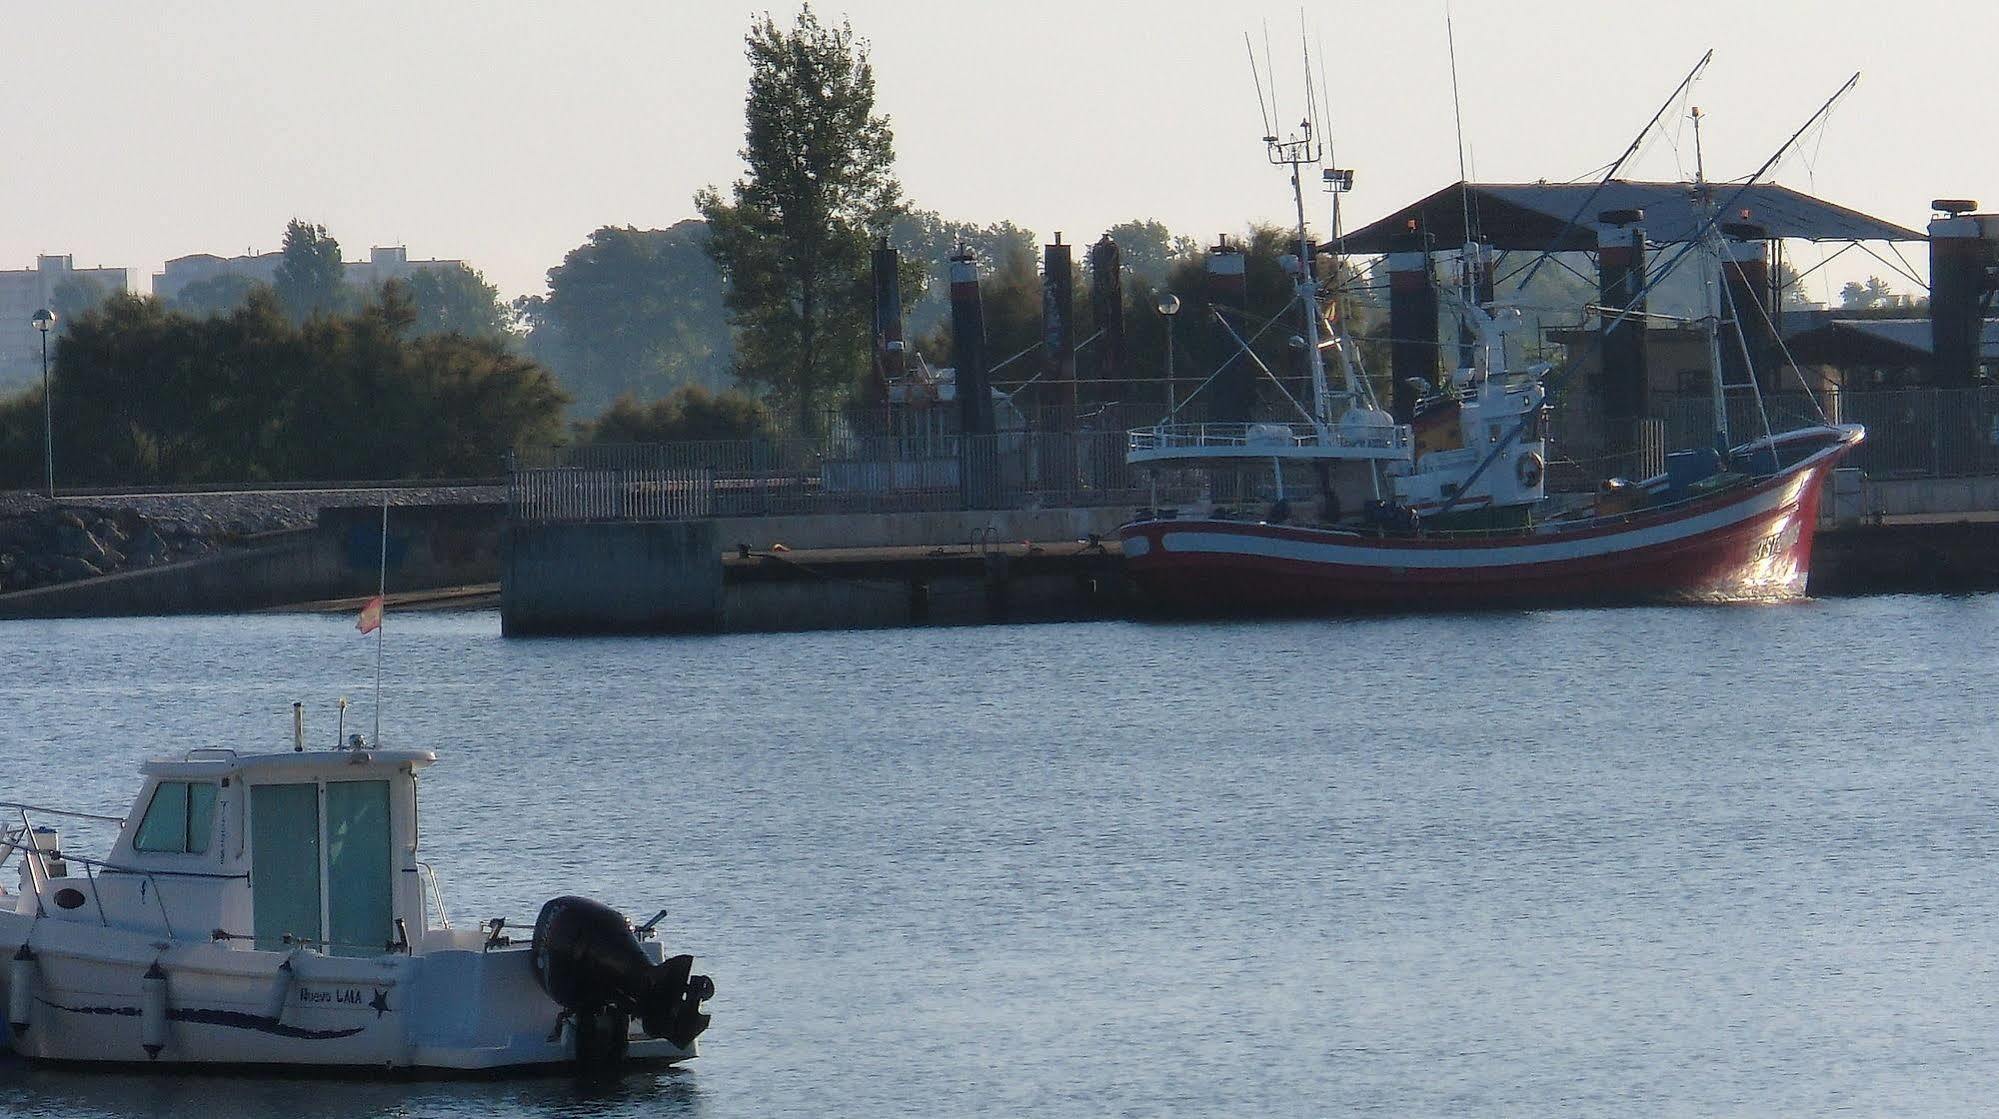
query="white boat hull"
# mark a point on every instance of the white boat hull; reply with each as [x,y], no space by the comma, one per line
[451,1010]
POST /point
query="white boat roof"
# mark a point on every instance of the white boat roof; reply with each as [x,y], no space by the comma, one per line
[206,763]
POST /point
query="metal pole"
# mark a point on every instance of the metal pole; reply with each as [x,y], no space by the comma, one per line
[1172,405]
[48,420]
[382,595]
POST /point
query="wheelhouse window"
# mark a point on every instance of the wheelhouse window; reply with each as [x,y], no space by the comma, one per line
[178,820]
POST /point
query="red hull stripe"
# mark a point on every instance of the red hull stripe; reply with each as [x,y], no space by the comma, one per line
[1750,543]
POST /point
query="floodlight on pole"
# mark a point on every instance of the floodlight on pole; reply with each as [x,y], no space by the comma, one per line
[44,321]
[1169,306]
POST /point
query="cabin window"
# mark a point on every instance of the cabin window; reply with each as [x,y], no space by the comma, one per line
[178,820]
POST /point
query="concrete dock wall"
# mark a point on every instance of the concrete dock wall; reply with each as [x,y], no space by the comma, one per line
[341,557]
[631,577]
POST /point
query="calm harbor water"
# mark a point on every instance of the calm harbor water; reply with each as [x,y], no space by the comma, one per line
[1691,861]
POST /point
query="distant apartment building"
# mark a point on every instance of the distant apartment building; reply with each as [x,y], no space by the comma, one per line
[384,263]
[27,290]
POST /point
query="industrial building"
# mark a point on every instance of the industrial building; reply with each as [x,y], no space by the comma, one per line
[384,263]
[27,290]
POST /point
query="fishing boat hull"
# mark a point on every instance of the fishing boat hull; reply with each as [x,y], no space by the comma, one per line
[1750,542]
[85,998]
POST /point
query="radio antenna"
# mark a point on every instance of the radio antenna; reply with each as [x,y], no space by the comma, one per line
[1263,110]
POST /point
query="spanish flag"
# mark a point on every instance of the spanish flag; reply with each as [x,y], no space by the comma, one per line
[371,616]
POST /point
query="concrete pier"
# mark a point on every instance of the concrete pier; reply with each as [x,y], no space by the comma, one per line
[615,577]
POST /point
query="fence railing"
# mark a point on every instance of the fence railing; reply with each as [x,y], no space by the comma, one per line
[848,474]
[1911,433]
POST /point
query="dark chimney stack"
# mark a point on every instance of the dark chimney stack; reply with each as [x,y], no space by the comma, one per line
[1621,280]
[968,335]
[1964,250]
[1746,272]
[1412,320]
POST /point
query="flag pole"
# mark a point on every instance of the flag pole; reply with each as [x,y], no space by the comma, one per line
[381,595]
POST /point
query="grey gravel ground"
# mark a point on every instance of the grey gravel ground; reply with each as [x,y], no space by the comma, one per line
[43,542]
[246,512]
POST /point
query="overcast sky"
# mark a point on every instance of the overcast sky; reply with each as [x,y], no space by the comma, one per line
[503,133]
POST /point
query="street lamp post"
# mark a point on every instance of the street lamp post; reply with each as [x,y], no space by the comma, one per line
[43,320]
[1169,306]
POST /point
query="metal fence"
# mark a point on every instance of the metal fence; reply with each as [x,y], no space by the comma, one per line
[839,474]
[1911,433]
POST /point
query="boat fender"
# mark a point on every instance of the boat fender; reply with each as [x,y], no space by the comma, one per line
[1529,468]
[20,989]
[153,1011]
[281,991]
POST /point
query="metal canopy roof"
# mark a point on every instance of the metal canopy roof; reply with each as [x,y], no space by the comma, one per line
[1834,341]
[1536,216]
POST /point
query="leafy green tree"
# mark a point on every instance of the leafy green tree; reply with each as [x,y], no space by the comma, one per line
[73,295]
[792,239]
[689,413]
[1857,296]
[456,299]
[631,311]
[217,295]
[309,279]
[1149,250]
[147,394]
[927,240]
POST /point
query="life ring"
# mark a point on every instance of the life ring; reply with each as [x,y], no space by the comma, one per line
[1528,470]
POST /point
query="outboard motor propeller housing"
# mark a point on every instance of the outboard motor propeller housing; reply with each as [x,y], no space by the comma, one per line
[587,959]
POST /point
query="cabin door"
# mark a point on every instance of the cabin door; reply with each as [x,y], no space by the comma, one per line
[320,868]
[360,912]
[284,863]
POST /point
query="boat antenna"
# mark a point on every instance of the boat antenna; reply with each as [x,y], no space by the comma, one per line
[381,596]
[1617,165]
[1263,110]
[1458,112]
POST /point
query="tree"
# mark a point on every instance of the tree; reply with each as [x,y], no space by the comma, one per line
[456,300]
[927,240]
[1149,250]
[631,311]
[73,295]
[792,241]
[147,394]
[690,413]
[309,279]
[1875,292]
[217,295]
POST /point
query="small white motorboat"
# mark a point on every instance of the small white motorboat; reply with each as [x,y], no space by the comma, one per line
[270,909]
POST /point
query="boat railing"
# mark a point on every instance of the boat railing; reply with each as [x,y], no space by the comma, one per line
[38,861]
[1250,436]
[434,892]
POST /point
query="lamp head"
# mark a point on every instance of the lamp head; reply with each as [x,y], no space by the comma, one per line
[1169,304]
[44,319]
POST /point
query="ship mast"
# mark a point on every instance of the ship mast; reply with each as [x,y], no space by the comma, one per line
[1296,153]
[1711,304]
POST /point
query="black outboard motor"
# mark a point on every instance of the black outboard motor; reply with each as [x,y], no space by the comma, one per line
[588,961]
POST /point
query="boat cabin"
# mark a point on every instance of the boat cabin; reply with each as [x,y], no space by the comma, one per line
[313,849]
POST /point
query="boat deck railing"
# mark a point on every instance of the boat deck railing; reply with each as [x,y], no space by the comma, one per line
[1788,458]
[1250,439]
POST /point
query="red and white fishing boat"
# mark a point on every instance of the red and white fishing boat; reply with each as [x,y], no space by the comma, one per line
[1451,511]
[1749,537]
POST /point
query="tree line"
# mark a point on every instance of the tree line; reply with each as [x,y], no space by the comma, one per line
[752,319]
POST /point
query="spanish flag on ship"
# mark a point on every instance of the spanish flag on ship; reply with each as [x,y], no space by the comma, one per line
[371,616]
